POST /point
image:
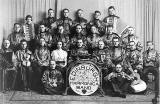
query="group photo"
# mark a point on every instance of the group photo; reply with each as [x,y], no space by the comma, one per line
[84,51]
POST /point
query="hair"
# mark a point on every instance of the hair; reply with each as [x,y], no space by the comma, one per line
[79,25]
[79,10]
[150,42]
[50,9]
[51,60]
[111,7]
[109,26]
[60,26]
[65,9]
[100,41]
[23,40]
[97,12]
[133,42]
[17,24]
[28,16]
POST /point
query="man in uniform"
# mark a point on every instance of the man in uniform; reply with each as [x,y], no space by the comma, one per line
[98,23]
[111,19]
[65,21]
[8,65]
[50,19]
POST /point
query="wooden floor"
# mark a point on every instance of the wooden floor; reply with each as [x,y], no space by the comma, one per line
[19,97]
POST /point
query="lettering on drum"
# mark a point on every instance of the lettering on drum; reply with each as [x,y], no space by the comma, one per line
[84,79]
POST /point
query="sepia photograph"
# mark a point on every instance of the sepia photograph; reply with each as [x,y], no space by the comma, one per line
[79,51]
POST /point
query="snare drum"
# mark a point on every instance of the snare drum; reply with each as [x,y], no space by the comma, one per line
[84,77]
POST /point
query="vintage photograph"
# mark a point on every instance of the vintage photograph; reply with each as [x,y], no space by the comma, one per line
[79,51]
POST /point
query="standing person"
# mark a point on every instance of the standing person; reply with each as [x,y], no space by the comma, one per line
[8,64]
[65,21]
[24,58]
[97,23]
[151,64]
[120,81]
[111,19]
[29,32]
[52,79]
[50,19]
[15,37]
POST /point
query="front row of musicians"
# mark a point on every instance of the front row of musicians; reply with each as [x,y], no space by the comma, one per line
[123,68]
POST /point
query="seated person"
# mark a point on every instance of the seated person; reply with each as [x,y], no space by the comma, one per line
[80,52]
[52,79]
[103,58]
[15,37]
[8,66]
[151,64]
[120,81]
[24,58]
[137,84]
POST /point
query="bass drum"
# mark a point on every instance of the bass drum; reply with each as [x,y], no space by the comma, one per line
[84,77]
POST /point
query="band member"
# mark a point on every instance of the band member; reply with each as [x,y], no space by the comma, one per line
[98,23]
[15,37]
[135,58]
[80,20]
[24,58]
[61,36]
[120,81]
[151,63]
[80,52]
[111,19]
[78,34]
[50,19]
[132,37]
[65,21]
[8,65]
[109,35]
[44,34]
[59,55]
[93,38]
[52,79]
[102,55]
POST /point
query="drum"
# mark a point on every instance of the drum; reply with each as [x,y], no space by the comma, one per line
[84,77]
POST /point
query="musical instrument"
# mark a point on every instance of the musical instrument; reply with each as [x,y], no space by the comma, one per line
[84,77]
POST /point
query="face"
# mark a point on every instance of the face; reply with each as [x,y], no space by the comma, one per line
[78,29]
[80,43]
[6,44]
[51,13]
[97,15]
[42,28]
[52,64]
[111,11]
[116,42]
[150,46]
[17,28]
[60,29]
[118,68]
[130,31]
[59,45]
[101,44]
[66,13]
[42,42]
[80,13]
[132,46]
[24,45]
[93,29]
[110,30]
[29,20]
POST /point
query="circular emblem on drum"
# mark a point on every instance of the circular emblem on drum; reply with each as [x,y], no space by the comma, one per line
[84,79]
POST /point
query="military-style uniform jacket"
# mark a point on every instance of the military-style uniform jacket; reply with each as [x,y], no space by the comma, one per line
[111,20]
[46,36]
[150,58]
[52,80]
[67,24]
[78,36]
[29,31]
[48,21]
[107,38]
[42,56]
[134,38]
[99,24]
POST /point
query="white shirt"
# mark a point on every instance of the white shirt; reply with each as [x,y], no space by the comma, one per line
[59,55]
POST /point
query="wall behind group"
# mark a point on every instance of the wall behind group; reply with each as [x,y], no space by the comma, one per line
[142,14]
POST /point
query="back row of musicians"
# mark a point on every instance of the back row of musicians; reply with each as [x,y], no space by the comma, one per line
[46,55]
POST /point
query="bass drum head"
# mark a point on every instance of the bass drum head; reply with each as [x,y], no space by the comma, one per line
[84,78]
